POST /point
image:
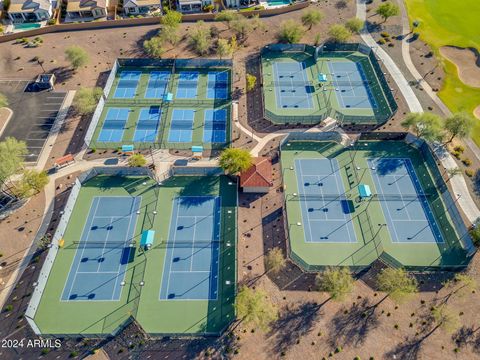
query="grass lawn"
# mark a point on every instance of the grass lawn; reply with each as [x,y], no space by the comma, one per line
[447,22]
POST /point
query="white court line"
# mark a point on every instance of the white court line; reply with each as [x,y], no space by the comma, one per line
[193,243]
[83,249]
[171,254]
[347,220]
[303,203]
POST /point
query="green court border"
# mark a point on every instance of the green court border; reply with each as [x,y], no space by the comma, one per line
[374,240]
[102,318]
[139,101]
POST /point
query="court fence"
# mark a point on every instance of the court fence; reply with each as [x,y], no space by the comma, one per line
[94,122]
[197,170]
[383,113]
[50,258]
[334,136]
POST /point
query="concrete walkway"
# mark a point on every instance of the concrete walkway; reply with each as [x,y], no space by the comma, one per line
[402,83]
[458,183]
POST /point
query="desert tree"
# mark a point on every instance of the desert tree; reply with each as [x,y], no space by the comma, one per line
[311,18]
[355,25]
[3,101]
[224,48]
[235,160]
[337,282]
[154,47]
[459,126]
[200,38]
[171,18]
[226,16]
[387,10]
[254,308]
[12,154]
[275,260]
[86,100]
[339,33]
[427,126]
[461,285]
[137,160]
[290,32]
[77,56]
[251,82]
[446,319]
[397,283]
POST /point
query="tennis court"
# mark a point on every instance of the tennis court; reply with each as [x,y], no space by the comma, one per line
[217,85]
[157,84]
[292,88]
[103,250]
[147,125]
[351,86]
[181,126]
[215,126]
[405,206]
[325,208]
[187,85]
[127,85]
[191,267]
[114,124]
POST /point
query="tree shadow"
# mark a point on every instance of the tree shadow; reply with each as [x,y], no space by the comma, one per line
[293,324]
[63,73]
[476,183]
[467,336]
[409,349]
[351,326]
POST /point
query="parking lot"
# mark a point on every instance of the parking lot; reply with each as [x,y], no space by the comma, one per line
[34,114]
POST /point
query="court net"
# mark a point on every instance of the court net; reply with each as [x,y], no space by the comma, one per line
[374,197]
[103,244]
[351,83]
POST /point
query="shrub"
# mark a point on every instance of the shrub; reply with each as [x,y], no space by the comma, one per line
[51,22]
[8,308]
[475,234]
[459,148]
[467,161]
[469,172]
[457,154]
[384,34]
[381,41]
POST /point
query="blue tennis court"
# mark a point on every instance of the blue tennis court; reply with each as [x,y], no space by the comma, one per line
[217,85]
[103,252]
[157,84]
[325,211]
[404,204]
[114,124]
[181,126]
[215,126]
[191,264]
[292,88]
[351,86]
[127,85]
[147,124]
[187,85]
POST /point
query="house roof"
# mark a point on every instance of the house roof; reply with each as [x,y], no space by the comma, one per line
[134,3]
[259,174]
[79,5]
[27,6]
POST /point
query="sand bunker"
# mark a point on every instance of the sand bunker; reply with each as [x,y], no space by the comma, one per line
[467,62]
[476,112]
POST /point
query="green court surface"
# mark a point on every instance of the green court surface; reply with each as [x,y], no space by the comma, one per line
[143,275]
[199,103]
[328,98]
[373,238]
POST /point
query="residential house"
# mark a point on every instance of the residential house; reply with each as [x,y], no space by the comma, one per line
[191,6]
[21,11]
[141,7]
[85,10]
[258,178]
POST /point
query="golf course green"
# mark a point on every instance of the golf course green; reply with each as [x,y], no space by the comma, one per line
[455,23]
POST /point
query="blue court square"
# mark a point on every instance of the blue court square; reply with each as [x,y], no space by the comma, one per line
[293,90]
[351,86]
[325,211]
[127,85]
[191,267]
[103,253]
[404,204]
[181,126]
[147,124]
[114,125]
[217,85]
[157,84]
[215,126]
[187,85]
